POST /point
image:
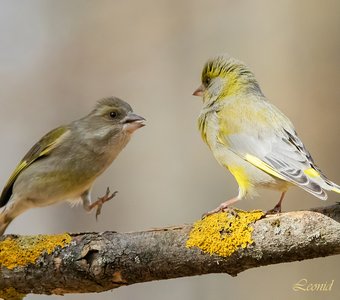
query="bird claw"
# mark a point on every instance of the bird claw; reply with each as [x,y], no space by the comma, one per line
[274,211]
[214,211]
[221,208]
[101,200]
[232,212]
[277,207]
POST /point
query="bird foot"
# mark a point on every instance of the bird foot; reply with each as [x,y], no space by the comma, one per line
[221,208]
[101,200]
[277,207]
[275,210]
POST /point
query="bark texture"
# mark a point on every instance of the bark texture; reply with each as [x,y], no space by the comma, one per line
[97,262]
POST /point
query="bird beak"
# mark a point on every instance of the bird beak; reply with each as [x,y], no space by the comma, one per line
[199,91]
[132,122]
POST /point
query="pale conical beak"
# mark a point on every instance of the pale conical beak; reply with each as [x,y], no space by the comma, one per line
[132,122]
[199,91]
[131,117]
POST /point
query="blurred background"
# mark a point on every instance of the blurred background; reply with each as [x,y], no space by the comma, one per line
[57,58]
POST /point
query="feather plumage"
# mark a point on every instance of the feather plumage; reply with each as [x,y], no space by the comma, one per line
[250,136]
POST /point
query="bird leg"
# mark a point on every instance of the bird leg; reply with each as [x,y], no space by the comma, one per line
[99,203]
[277,207]
[222,207]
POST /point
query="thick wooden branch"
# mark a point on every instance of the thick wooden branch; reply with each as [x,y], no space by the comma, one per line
[96,262]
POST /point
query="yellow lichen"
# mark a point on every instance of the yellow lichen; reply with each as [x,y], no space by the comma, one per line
[11,294]
[225,232]
[21,251]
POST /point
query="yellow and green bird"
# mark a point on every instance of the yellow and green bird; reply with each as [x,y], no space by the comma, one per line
[252,138]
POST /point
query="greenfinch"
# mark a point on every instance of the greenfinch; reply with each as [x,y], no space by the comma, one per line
[66,161]
[252,138]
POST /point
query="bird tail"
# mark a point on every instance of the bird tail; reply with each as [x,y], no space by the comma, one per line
[336,188]
[331,186]
[4,222]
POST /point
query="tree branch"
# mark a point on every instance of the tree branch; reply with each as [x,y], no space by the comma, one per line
[97,262]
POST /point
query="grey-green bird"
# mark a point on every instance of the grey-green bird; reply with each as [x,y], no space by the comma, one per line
[66,161]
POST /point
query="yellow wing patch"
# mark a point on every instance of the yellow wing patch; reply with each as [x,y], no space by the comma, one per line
[22,165]
[42,148]
[262,166]
[311,173]
[335,189]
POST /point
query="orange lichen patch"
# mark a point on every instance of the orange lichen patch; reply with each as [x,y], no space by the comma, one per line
[11,294]
[225,232]
[21,251]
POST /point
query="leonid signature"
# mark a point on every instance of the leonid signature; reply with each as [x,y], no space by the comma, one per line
[304,286]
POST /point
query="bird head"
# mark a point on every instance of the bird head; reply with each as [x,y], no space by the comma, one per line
[110,118]
[224,76]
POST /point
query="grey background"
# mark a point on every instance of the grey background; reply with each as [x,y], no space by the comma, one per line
[58,57]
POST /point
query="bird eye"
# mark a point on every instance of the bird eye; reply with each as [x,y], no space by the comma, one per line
[207,81]
[113,114]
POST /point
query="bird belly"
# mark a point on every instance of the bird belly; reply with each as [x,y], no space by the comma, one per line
[248,177]
[45,185]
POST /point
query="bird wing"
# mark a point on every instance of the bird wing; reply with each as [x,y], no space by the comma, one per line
[281,154]
[41,149]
